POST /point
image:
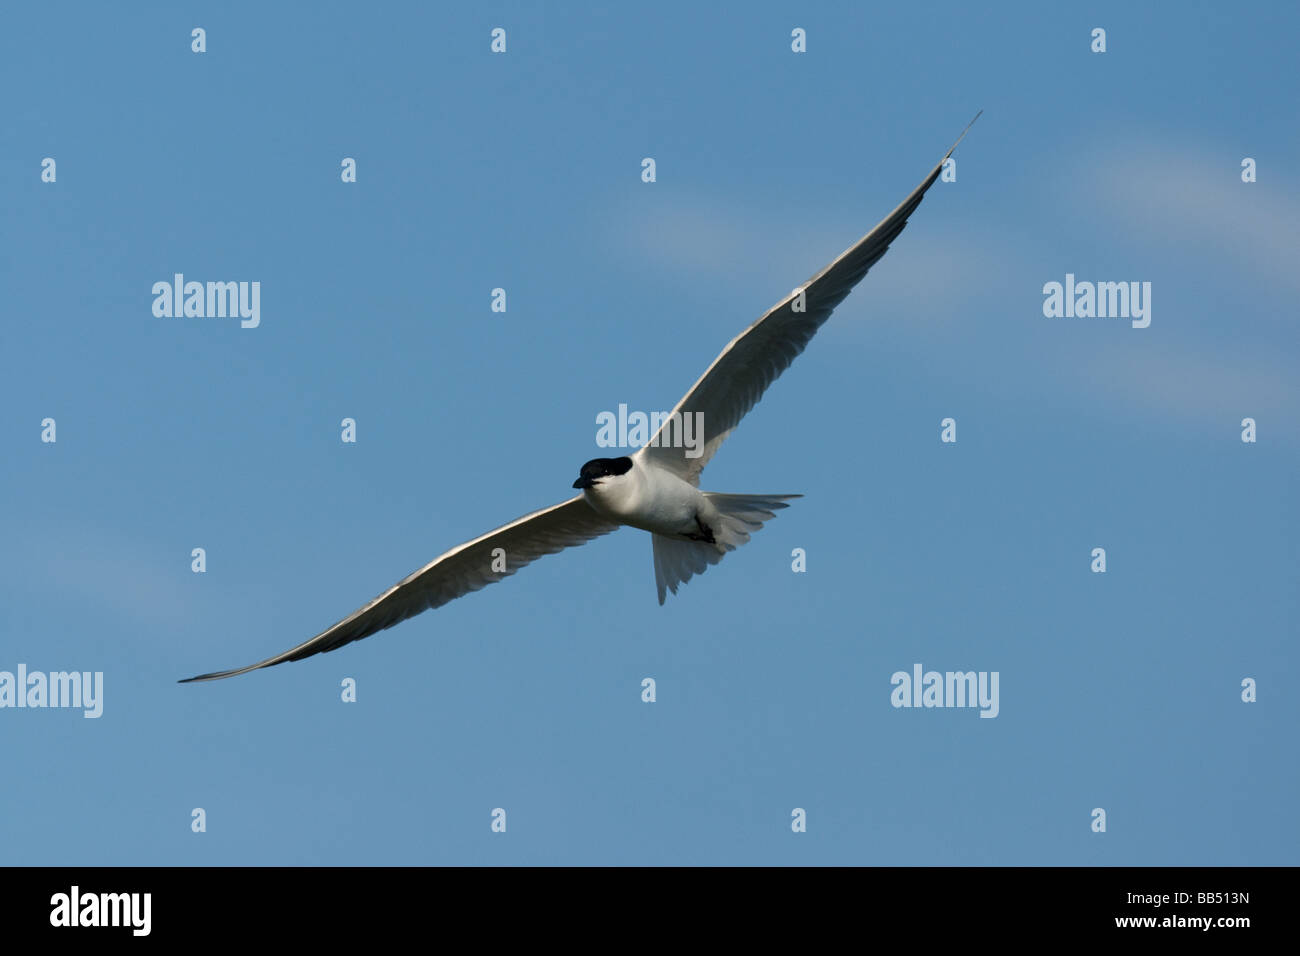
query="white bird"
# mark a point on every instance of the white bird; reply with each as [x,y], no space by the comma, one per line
[655,489]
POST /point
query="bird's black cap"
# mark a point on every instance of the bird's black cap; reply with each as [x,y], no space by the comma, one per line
[599,468]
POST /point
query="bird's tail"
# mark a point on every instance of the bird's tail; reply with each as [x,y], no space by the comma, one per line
[677,560]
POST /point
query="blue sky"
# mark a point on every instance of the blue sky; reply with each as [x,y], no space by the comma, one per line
[522,170]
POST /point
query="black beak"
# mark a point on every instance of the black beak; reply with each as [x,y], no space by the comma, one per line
[582,482]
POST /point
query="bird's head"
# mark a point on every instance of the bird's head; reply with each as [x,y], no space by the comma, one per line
[601,470]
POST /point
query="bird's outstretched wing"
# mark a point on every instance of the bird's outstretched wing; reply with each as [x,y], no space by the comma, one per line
[751,362]
[461,570]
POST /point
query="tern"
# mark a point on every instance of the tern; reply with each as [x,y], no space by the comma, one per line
[655,489]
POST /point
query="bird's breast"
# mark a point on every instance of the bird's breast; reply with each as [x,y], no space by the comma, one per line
[661,503]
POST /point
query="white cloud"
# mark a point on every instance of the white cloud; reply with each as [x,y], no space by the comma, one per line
[1211,391]
[927,278]
[1189,199]
[102,569]
[942,273]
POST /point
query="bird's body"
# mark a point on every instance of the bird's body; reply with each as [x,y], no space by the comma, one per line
[652,499]
[691,529]
[656,489]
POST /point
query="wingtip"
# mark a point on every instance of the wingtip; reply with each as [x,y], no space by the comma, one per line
[219,675]
[198,677]
[963,134]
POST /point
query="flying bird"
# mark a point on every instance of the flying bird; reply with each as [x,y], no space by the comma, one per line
[657,488]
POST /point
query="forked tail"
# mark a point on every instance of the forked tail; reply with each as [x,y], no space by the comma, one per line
[677,560]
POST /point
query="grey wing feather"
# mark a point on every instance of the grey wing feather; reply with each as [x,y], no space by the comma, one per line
[461,570]
[753,360]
